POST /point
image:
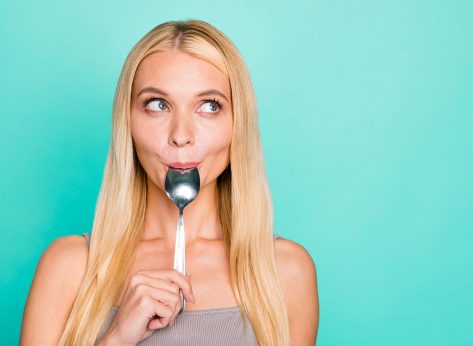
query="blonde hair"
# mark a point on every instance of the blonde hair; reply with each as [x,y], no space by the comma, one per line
[244,200]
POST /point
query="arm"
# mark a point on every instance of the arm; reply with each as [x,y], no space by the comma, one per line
[299,279]
[57,279]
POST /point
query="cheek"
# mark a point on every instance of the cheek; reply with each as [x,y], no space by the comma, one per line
[217,140]
[144,135]
[148,145]
[150,149]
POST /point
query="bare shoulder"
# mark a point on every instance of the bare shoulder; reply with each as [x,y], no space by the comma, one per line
[298,275]
[53,290]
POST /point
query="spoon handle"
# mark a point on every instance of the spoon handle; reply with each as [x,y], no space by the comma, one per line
[179,253]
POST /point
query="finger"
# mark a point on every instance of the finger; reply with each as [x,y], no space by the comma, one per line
[159,289]
[162,295]
[178,308]
[161,283]
[173,275]
[163,315]
[171,299]
[155,282]
[141,279]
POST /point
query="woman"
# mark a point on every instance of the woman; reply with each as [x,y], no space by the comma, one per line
[184,99]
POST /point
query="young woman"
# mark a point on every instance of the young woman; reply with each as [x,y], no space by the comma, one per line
[184,99]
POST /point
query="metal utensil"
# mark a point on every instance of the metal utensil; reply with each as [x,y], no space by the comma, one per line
[182,188]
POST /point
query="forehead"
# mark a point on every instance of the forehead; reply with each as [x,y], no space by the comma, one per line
[180,73]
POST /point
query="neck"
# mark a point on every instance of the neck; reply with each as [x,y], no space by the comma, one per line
[200,216]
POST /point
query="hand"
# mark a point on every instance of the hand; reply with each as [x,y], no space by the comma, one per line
[152,301]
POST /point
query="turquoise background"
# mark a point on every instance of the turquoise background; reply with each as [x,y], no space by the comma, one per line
[366,115]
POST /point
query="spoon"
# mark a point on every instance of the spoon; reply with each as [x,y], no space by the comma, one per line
[182,188]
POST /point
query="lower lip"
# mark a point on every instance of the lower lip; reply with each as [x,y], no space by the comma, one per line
[182,169]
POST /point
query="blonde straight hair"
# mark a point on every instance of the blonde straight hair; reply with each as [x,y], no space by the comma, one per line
[244,200]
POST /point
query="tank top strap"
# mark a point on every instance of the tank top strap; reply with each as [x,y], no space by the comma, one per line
[276,236]
[87,236]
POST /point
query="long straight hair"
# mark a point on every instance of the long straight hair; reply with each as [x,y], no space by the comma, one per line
[244,207]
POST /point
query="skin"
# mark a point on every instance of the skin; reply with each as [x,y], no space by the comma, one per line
[181,127]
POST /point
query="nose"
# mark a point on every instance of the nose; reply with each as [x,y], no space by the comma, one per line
[181,133]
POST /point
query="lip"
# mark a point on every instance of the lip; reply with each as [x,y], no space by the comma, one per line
[183,165]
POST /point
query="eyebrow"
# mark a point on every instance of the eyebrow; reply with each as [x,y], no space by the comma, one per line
[203,93]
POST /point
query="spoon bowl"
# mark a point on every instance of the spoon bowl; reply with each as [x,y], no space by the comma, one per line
[182,187]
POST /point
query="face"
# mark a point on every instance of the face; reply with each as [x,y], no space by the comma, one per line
[181,113]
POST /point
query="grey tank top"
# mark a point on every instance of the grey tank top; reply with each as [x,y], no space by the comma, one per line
[210,327]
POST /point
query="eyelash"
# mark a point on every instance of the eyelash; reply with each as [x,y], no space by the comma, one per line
[214,100]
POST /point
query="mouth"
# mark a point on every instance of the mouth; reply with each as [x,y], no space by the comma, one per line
[183,166]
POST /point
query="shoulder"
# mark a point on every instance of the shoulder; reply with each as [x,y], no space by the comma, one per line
[64,258]
[296,266]
[298,275]
[67,248]
[53,290]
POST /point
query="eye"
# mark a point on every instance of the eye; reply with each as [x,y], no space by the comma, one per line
[212,106]
[155,104]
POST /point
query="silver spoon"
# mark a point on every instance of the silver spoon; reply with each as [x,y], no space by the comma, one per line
[182,188]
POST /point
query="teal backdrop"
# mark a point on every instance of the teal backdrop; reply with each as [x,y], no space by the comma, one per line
[366,117]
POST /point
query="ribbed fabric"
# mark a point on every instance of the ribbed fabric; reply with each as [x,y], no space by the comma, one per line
[210,327]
